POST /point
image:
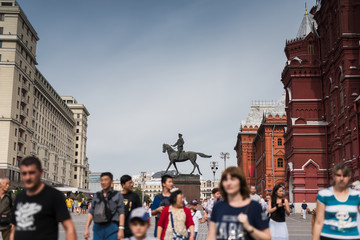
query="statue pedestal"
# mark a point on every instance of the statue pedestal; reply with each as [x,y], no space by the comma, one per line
[189,185]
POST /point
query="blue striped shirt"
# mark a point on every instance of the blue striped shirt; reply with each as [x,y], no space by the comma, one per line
[340,217]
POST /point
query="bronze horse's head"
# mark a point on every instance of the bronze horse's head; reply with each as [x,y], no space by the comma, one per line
[164,147]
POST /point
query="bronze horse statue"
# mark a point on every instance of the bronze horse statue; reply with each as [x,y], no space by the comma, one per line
[184,156]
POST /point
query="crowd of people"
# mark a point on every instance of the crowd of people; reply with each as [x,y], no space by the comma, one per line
[77,205]
[235,211]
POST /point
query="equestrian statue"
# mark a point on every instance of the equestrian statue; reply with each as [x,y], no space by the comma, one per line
[182,156]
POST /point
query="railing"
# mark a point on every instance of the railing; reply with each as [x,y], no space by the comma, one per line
[24,86]
[23,113]
[24,100]
[21,140]
[20,154]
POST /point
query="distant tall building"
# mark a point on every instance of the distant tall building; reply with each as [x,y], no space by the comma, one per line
[322,82]
[81,164]
[34,120]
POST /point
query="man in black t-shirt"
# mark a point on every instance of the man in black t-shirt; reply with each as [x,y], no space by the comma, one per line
[131,201]
[39,208]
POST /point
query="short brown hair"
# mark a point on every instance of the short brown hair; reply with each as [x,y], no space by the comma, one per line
[237,173]
[31,160]
[345,169]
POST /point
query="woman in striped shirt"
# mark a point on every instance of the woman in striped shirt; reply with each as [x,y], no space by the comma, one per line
[337,207]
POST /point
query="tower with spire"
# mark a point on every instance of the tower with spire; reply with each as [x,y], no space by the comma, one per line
[321,79]
[305,137]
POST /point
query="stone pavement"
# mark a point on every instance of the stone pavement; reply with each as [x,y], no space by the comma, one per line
[299,229]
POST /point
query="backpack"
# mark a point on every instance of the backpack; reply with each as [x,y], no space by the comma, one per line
[102,212]
[164,202]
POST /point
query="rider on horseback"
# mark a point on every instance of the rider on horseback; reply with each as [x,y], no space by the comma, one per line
[180,143]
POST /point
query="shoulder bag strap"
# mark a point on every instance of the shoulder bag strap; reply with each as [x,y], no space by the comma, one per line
[160,196]
[10,200]
[172,222]
[193,214]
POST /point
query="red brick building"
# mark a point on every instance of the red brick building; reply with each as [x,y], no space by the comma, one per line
[270,152]
[322,83]
[263,116]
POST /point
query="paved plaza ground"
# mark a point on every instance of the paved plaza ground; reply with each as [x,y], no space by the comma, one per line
[299,229]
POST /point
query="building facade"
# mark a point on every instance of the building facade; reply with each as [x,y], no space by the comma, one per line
[34,120]
[150,182]
[270,152]
[245,147]
[321,78]
[206,186]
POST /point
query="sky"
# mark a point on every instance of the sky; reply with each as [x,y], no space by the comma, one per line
[147,70]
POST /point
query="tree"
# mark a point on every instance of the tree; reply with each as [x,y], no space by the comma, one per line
[81,196]
[138,191]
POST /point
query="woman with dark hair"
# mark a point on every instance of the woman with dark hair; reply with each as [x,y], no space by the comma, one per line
[237,216]
[175,219]
[278,206]
[337,208]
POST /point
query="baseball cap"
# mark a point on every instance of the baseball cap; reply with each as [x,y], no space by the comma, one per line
[139,213]
[193,202]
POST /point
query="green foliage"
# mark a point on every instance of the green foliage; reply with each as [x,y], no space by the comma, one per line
[138,191]
[17,191]
[81,196]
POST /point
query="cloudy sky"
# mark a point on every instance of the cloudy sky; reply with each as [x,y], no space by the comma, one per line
[149,69]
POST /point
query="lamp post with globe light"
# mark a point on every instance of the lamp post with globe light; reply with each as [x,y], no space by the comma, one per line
[143,174]
[224,156]
[214,168]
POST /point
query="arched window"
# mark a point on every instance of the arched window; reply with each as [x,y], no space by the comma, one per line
[280,143]
[311,48]
[280,163]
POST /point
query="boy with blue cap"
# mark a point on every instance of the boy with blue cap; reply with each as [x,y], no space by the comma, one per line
[139,223]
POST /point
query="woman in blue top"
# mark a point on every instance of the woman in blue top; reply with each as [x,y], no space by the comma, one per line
[337,207]
[237,217]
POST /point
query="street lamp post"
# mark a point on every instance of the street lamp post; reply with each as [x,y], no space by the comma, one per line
[224,156]
[214,167]
[143,174]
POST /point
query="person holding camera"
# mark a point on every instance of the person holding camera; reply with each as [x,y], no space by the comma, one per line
[6,205]
[278,206]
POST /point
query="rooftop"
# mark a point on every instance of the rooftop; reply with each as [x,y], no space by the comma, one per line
[260,108]
[307,25]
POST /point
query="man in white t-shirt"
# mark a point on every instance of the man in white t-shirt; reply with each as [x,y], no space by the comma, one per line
[263,203]
[196,215]
[253,195]
[211,203]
